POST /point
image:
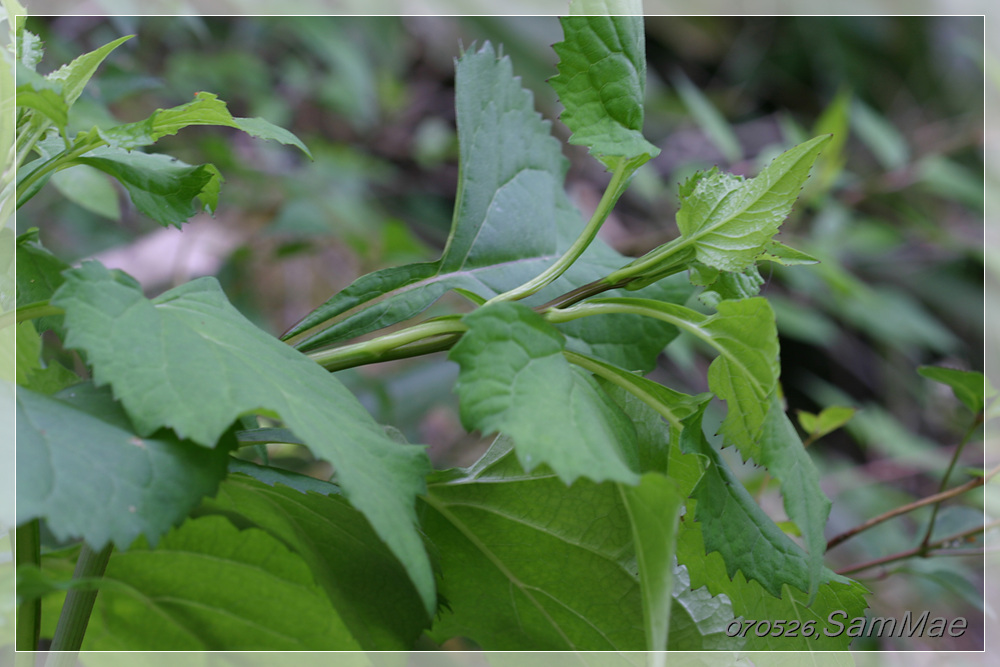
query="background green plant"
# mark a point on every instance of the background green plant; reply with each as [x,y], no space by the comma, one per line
[898,287]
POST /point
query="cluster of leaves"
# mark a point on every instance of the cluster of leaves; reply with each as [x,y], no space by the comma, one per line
[566,535]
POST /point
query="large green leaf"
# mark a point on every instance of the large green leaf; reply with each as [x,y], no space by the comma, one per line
[602,85]
[514,380]
[211,587]
[83,468]
[749,598]
[528,563]
[365,583]
[746,371]
[512,220]
[188,360]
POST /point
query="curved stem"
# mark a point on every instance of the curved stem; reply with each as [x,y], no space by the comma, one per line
[619,181]
[383,347]
[633,388]
[947,475]
[30,312]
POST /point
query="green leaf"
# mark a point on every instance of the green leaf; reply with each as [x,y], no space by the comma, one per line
[729,221]
[779,253]
[746,371]
[827,421]
[512,220]
[47,101]
[515,380]
[783,454]
[74,76]
[84,469]
[160,186]
[87,187]
[735,526]
[31,374]
[732,285]
[38,274]
[367,586]
[27,45]
[211,587]
[530,564]
[749,599]
[205,109]
[970,387]
[698,619]
[835,120]
[188,360]
[653,511]
[602,85]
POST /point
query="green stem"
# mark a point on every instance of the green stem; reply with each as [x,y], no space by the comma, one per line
[600,370]
[623,307]
[59,162]
[76,610]
[388,347]
[27,551]
[617,186]
[947,475]
[657,259]
[30,312]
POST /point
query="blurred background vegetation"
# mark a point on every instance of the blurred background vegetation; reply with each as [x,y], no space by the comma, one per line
[894,210]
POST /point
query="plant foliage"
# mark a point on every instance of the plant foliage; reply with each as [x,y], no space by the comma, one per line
[603,516]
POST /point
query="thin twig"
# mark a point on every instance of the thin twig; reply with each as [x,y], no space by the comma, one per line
[947,474]
[903,509]
[925,551]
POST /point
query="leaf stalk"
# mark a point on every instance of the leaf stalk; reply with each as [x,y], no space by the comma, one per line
[619,182]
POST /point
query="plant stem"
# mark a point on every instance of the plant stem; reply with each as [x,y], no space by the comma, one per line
[656,259]
[947,475]
[27,551]
[909,507]
[580,293]
[597,369]
[619,181]
[389,346]
[76,610]
[29,312]
[924,552]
